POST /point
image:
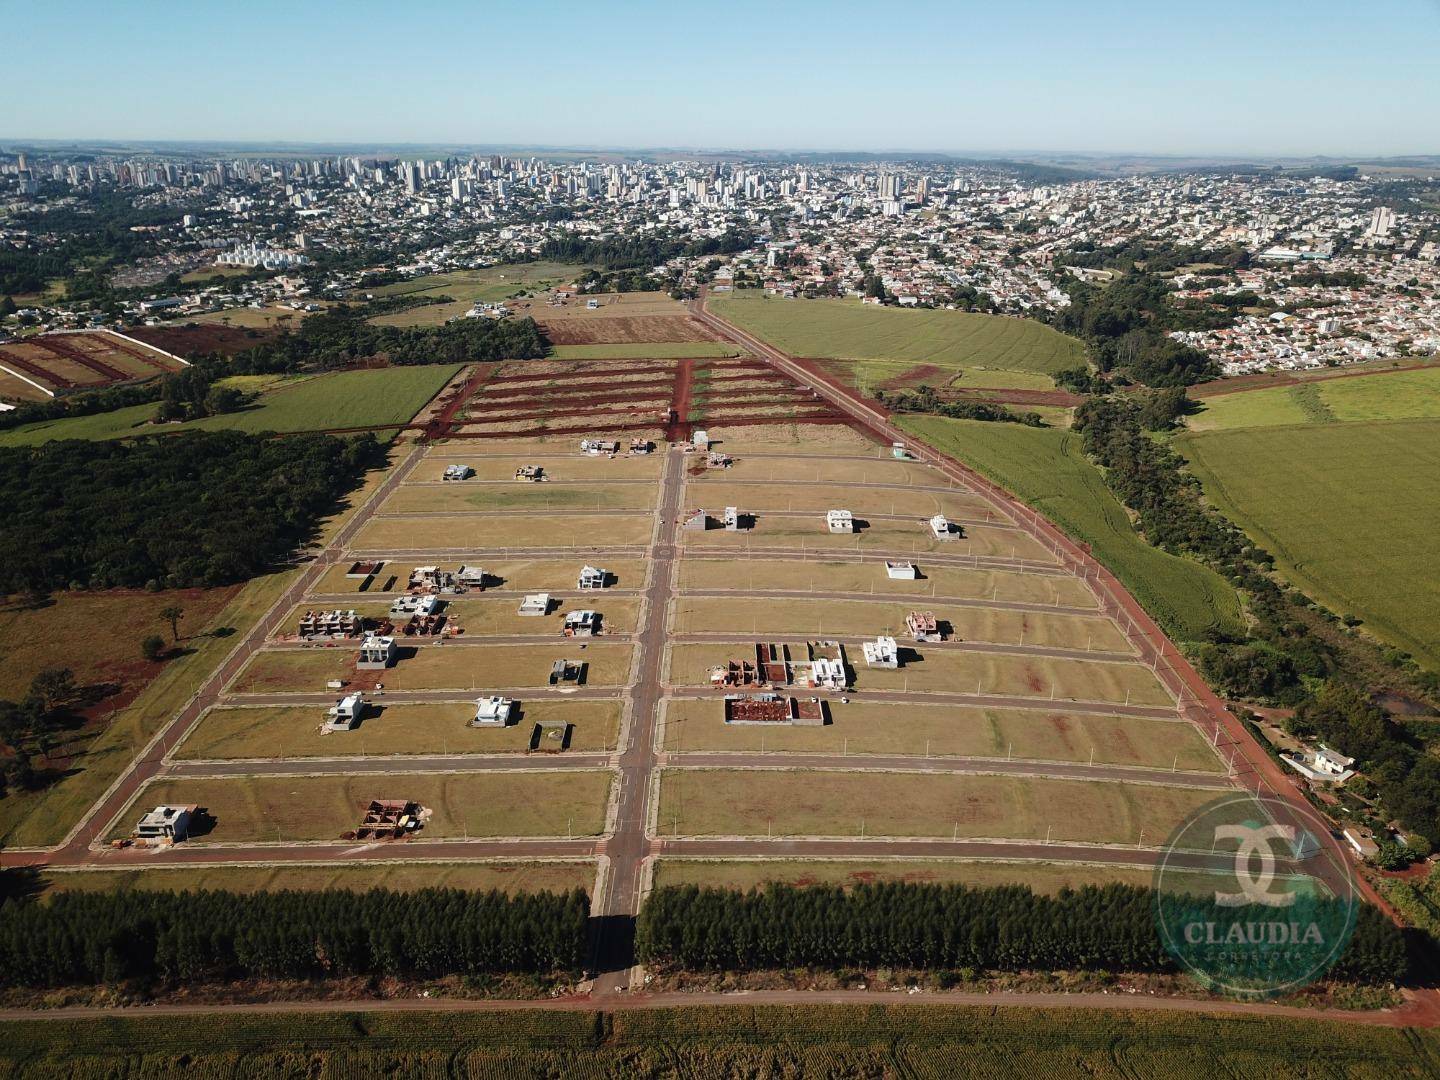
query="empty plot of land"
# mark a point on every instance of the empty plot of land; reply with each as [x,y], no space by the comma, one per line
[1380,395]
[955,671]
[440,532]
[297,731]
[254,809]
[860,500]
[646,350]
[800,440]
[858,728]
[849,618]
[433,667]
[428,499]
[874,535]
[525,575]
[838,576]
[14,388]
[572,466]
[824,802]
[797,468]
[531,876]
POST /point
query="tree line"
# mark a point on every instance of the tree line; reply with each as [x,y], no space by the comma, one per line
[925,926]
[92,938]
[647,251]
[925,399]
[193,509]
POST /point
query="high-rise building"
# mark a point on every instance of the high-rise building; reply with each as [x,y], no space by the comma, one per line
[411,174]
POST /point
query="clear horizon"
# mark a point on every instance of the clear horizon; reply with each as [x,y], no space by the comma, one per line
[1281,80]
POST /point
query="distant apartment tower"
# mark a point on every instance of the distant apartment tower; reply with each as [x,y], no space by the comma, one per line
[1382,220]
[889,186]
[411,174]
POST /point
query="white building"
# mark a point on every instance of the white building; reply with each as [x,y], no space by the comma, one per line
[166,823]
[593,577]
[940,526]
[535,604]
[883,652]
[411,604]
[345,713]
[493,712]
[457,472]
[840,521]
[901,571]
[376,652]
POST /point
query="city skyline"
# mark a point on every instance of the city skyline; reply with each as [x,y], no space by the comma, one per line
[1288,80]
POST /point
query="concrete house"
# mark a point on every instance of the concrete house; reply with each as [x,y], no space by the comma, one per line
[581,623]
[166,823]
[883,652]
[457,472]
[345,713]
[840,521]
[593,577]
[535,604]
[376,653]
[493,711]
[901,571]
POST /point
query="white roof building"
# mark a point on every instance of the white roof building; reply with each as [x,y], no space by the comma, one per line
[345,713]
[883,652]
[535,604]
[166,823]
[840,521]
[493,711]
[901,571]
[940,526]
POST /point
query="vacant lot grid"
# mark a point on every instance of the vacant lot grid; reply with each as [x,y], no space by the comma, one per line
[440,532]
[1345,522]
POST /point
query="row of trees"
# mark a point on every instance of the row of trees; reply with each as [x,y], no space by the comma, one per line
[199,508]
[925,399]
[642,251]
[922,926]
[191,393]
[91,938]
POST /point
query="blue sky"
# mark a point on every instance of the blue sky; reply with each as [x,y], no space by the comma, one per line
[1271,77]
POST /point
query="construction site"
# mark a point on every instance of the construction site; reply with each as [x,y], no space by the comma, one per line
[38,368]
[480,666]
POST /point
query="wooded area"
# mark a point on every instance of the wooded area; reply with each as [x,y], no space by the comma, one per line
[201,508]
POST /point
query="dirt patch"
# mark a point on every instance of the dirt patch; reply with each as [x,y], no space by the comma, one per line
[197,338]
[623,330]
[916,375]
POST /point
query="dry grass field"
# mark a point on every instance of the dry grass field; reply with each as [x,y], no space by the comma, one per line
[956,671]
[431,667]
[568,495]
[835,575]
[859,728]
[862,618]
[796,439]
[296,731]
[742,802]
[440,532]
[260,809]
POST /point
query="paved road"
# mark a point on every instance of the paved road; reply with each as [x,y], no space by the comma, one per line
[613,947]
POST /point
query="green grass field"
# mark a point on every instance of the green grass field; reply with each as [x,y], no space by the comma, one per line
[468,287]
[1048,470]
[846,329]
[1382,395]
[343,400]
[725,1043]
[871,375]
[1350,512]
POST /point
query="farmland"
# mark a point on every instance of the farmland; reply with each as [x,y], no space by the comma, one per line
[1043,877]
[1048,470]
[1345,522]
[255,809]
[1411,394]
[347,399]
[732,1041]
[844,329]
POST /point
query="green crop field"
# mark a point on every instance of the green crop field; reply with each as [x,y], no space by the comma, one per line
[345,399]
[847,329]
[837,1041]
[1382,395]
[1048,470]
[1350,512]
